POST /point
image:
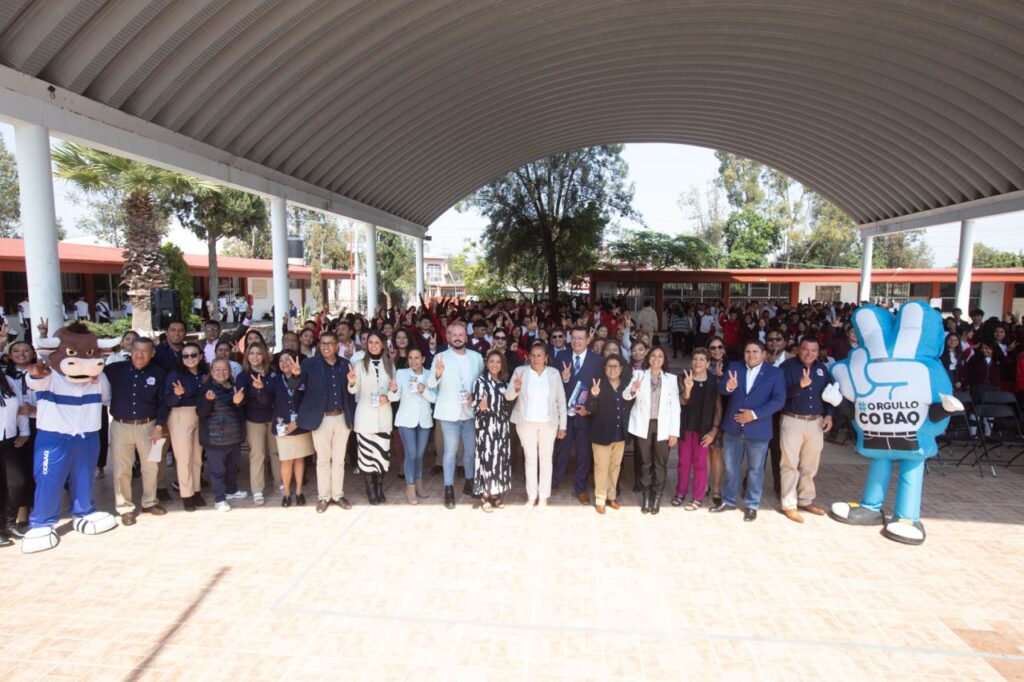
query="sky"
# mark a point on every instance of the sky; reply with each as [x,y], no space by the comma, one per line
[660,173]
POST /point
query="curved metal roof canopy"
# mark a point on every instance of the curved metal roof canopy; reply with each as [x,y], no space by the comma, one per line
[886,108]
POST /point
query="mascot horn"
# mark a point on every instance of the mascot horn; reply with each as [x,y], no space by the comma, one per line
[70,390]
[900,400]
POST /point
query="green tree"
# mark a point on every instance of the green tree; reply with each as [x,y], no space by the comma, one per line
[650,251]
[10,208]
[179,278]
[147,190]
[750,238]
[987,257]
[213,213]
[255,244]
[106,217]
[707,212]
[471,269]
[551,214]
[396,267]
[902,250]
[325,246]
[830,242]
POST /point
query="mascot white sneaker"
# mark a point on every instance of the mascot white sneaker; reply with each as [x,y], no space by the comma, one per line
[898,396]
[70,390]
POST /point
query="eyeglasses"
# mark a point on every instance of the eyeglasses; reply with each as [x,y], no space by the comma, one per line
[716,347]
[500,338]
[775,338]
[189,356]
[558,336]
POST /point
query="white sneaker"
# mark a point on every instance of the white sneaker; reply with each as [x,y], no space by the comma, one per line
[222,507]
[237,495]
[257,499]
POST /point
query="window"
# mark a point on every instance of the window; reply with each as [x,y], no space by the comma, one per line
[948,294]
[742,293]
[433,272]
[828,293]
[921,290]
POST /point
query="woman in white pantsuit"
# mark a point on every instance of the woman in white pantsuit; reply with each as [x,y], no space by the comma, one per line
[540,418]
[371,380]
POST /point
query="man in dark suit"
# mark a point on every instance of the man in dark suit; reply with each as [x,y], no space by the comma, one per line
[579,368]
[755,390]
[328,410]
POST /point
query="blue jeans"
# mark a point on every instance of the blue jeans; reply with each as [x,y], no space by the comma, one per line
[735,447]
[452,432]
[414,442]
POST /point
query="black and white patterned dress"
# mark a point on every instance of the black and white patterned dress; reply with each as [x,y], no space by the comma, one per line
[493,469]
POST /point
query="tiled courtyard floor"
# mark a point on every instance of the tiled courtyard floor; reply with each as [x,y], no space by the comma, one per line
[423,593]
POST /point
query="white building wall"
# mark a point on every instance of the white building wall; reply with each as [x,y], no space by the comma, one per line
[992,299]
[808,290]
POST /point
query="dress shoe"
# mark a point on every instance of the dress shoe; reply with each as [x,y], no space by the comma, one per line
[750,515]
[421,489]
[721,508]
[321,506]
[18,530]
[343,502]
[155,510]
[378,486]
[189,505]
[656,503]
[198,500]
[614,504]
[812,509]
[300,500]
[163,495]
[286,500]
[449,497]
[467,487]
[645,504]
[793,515]
[583,498]
[599,508]
[5,541]
[128,519]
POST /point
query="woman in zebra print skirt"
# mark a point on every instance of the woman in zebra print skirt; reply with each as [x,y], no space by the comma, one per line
[492,411]
[372,381]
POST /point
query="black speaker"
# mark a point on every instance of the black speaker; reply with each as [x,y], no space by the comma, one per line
[165,305]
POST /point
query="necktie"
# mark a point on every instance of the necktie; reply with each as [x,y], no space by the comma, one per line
[576,365]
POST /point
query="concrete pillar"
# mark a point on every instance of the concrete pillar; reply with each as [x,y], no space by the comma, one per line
[279,254]
[964,265]
[865,269]
[372,285]
[39,225]
[418,241]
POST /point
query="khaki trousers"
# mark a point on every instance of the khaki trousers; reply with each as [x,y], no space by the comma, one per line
[183,428]
[538,440]
[801,442]
[607,463]
[330,442]
[125,441]
[261,440]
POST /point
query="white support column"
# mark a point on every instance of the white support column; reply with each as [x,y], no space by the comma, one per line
[39,225]
[279,254]
[964,266]
[865,269]
[419,265]
[371,270]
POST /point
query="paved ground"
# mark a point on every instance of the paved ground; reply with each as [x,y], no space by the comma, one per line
[421,593]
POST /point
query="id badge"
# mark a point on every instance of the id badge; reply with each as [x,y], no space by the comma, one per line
[282,430]
[414,385]
[293,417]
[463,396]
[375,399]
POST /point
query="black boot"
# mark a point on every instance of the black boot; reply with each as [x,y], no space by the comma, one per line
[371,492]
[467,487]
[655,503]
[645,505]
[378,486]
[449,497]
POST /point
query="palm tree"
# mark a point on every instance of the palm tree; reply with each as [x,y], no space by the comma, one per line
[147,191]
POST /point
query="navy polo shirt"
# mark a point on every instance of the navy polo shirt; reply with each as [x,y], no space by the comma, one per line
[337,384]
[805,401]
[137,393]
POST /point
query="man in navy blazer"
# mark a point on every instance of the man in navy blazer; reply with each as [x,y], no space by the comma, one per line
[756,390]
[328,410]
[579,368]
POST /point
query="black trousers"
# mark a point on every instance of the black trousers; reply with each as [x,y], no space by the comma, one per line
[775,454]
[104,438]
[19,481]
[654,459]
[6,453]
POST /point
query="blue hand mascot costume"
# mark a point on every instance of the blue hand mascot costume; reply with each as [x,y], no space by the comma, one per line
[70,390]
[900,399]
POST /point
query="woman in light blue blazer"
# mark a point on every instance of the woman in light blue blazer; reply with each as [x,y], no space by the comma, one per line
[414,421]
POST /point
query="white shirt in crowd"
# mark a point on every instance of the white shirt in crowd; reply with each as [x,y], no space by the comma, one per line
[707,322]
[538,408]
[81,310]
[752,373]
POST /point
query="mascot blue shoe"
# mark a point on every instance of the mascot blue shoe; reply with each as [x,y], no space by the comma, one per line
[899,398]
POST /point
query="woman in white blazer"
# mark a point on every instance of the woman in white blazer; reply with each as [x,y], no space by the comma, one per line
[371,379]
[540,417]
[414,420]
[13,434]
[654,420]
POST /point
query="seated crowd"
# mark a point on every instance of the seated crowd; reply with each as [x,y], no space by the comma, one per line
[550,383]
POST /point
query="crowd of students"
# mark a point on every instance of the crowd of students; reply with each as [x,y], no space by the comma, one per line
[553,384]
